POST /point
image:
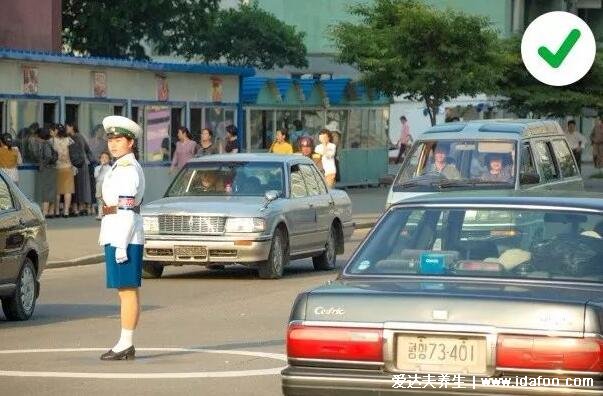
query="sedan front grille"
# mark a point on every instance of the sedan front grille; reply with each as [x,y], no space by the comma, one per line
[184,224]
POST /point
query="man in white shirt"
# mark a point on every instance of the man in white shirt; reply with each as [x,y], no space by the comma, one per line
[576,142]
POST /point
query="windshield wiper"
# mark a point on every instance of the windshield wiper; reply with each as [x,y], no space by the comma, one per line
[470,183]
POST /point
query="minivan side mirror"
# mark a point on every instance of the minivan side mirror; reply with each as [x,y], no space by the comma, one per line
[529,178]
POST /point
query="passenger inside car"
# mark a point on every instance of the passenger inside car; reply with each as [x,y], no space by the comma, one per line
[208,181]
[442,164]
[496,170]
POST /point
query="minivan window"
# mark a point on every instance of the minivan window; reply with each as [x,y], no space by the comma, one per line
[545,162]
[435,165]
[565,158]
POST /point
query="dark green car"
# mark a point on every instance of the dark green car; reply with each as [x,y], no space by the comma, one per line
[429,305]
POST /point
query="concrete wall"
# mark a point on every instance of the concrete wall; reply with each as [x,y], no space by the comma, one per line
[31,24]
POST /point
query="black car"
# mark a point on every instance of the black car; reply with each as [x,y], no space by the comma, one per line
[23,251]
[428,306]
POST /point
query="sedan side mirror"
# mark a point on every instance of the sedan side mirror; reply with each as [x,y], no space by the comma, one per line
[529,178]
[272,195]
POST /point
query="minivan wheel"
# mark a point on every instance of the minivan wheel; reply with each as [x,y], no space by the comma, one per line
[151,270]
[326,261]
[20,306]
[278,258]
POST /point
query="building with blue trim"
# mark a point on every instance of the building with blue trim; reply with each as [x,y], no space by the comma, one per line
[40,87]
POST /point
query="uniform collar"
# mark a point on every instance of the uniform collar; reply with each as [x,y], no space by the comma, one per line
[127,156]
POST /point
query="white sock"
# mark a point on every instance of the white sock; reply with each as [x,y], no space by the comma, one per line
[125,341]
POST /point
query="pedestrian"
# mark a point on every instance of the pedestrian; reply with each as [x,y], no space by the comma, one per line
[46,178]
[10,157]
[121,228]
[186,148]
[232,140]
[97,142]
[281,144]
[65,170]
[596,138]
[83,182]
[100,171]
[576,142]
[333,127]
[405,139]
[327,152]
[206,144]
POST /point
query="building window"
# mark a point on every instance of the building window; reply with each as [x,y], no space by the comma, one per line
[217,119]
[71,110]
[261,129]
[157,141]
[49,113]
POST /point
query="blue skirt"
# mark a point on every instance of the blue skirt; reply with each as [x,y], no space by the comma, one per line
[127,274]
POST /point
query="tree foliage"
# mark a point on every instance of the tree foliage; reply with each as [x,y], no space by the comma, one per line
[244,36]
[525,96]
[250,36]
[405,47]
[117,28]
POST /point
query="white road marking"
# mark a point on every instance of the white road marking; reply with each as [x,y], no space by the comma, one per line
[194,374]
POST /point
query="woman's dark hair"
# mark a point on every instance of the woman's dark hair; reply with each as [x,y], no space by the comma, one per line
[232,130]
[106,153]
[284,132]
[7,140]
[571,122]
[186,132]
[326,132]
[403,118]
[72,125]
[211,133]
[44,133]
[60,128]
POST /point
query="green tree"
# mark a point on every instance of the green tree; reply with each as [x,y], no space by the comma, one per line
[118,28]
[405,47]
[250,36]
[525,96]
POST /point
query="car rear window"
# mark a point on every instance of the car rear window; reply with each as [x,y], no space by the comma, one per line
[485,242]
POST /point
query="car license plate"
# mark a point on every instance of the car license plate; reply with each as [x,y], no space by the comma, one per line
[190,252]
[441,354]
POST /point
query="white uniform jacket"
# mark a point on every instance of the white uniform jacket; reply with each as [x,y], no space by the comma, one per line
[123,186]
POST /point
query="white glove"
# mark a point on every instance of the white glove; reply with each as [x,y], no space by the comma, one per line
[121,256]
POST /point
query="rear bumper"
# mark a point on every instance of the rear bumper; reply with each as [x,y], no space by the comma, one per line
[309,381]
[217,250]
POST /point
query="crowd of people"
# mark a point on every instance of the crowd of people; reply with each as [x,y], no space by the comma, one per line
[71,167]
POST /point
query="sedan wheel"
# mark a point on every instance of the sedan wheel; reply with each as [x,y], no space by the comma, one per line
[21,305]
[278,258]
[326,261]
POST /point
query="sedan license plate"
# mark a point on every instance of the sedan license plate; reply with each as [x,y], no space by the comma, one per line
[441,354]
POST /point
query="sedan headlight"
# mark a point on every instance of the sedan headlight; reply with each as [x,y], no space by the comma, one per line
[244,224]
[151,224]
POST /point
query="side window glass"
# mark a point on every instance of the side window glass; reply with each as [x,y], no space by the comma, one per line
[6,200]
[310,180]
[320,180]
[545,162]
[298,187]
[527,161]
[565,158]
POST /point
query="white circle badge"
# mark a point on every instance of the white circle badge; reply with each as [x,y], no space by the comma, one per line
[558,48]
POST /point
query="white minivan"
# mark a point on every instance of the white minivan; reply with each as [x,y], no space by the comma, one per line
[487,155]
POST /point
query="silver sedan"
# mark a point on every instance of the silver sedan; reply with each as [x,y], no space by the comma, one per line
[260,210]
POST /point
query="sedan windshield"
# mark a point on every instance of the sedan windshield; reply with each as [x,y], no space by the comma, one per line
[501,243]
[233,178]
[448,165]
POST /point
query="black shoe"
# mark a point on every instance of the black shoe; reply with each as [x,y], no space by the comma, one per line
[126,354]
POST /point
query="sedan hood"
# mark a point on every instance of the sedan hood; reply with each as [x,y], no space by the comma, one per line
[209,205]
[512,305]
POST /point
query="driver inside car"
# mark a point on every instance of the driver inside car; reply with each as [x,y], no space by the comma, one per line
[440,164]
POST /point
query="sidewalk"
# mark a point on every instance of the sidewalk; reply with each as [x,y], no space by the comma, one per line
[74,241]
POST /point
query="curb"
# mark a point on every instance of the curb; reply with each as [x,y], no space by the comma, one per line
[92,259]
[97,258]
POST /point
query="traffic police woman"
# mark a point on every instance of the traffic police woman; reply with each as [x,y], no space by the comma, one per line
[122,228]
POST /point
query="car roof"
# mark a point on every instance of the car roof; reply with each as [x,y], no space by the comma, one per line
[494,129]
[563,200]
[253,157]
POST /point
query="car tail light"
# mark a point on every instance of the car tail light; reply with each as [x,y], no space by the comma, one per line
[550,353]
[336,343]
